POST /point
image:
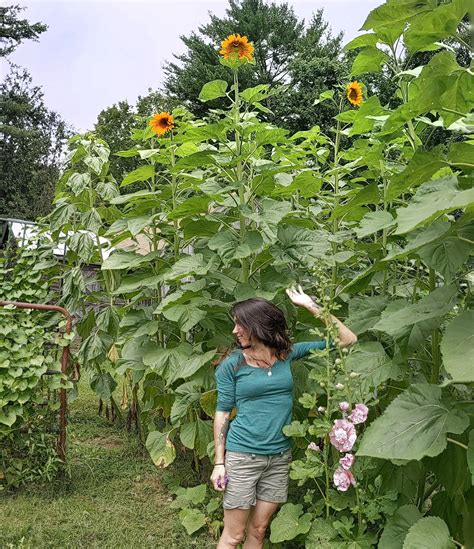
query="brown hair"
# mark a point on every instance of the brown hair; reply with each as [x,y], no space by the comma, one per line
[265,322]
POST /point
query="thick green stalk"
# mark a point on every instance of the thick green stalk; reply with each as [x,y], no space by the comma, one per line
[174,198]
[239,175]
[335,224]
[435,339]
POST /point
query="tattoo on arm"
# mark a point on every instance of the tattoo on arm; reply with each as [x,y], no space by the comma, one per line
[223,431]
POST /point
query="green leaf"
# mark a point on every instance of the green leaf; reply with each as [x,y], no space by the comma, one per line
[213,90]
[446,256]
[455,478]
[91,349]
[188,265]
[434,26]
[428,533]
[189,207]
[160,448]
[432,200]
[361,41]
[374,222]
[257,93]
[140,174]
[191,365]
[436,304]
[457,348]
[300,246]
[78,182]
[397,527]
[364,119]
[166,360]
[321,534]
[120,260]
[197,435]
[390,19]
[186,315]
[368,60]
[365,312]
[373,365]
[289,523]
[414,425]
[420,238]
[103,384]
[192,520]
[253,241]
[83,245]
[187,395]
[421,167]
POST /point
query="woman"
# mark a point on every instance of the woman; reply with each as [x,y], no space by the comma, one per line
[252,455]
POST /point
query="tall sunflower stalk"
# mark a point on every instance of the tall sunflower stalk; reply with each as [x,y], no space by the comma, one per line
[236,50]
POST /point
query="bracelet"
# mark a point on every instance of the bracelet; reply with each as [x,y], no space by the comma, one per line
[218,464]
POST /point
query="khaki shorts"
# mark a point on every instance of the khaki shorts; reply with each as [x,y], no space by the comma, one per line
[256,476]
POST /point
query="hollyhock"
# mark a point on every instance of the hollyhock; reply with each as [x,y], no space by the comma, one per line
[359,414]
[344,406]
[313,446]
[343,435]
[343,479]
[347,461]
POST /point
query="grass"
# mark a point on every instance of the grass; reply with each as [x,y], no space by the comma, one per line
[112,497]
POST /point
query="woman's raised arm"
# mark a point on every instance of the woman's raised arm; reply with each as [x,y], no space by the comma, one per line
[298,297]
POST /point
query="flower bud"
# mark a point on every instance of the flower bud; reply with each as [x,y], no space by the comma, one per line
[353,375]
[322,384]
[338,361]
[321,409]
[339,386]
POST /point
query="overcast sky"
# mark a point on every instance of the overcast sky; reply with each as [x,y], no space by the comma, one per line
[96,53]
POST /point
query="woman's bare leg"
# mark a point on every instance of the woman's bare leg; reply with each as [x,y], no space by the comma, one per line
[235,521]
[259,518]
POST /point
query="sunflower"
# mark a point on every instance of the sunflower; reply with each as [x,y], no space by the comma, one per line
[162,123]
[236,45]
[354,93]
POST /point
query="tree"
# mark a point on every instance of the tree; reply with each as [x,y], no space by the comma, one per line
[30,150]
[32,136]
[275,31]
[14,30]
[316,67]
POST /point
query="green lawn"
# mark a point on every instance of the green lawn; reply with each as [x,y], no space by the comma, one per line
[114,497]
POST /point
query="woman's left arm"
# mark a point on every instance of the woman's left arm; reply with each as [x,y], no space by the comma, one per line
[298,297]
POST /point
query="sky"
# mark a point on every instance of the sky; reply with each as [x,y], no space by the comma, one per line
[96,53]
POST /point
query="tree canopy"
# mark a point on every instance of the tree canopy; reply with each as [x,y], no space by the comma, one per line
[307,57]
[32,135]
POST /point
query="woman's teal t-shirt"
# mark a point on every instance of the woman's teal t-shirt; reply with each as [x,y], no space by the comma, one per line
[264,403]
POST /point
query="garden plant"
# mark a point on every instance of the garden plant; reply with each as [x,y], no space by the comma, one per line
[374,219]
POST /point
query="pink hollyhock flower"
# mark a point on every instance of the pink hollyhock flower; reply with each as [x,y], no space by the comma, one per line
[343,435]
[347,461]
[359,414]
[344,406]
[343,479]
[313,446]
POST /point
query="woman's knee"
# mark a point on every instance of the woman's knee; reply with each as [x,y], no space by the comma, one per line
[234,535]
[257,531]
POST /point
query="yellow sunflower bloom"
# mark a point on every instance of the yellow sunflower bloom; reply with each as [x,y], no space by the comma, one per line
[162,123]
[236,45]
[354,93]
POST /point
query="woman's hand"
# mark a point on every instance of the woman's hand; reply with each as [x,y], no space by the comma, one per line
[298,297]
[219,478]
